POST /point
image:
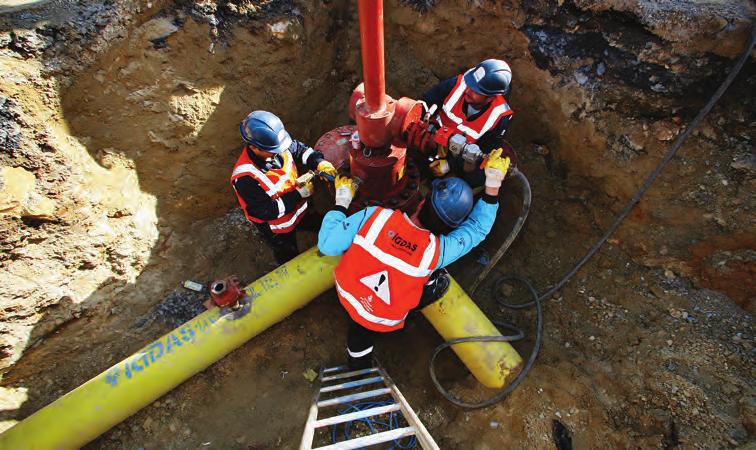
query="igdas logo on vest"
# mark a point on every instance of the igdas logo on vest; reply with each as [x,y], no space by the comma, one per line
[401,243]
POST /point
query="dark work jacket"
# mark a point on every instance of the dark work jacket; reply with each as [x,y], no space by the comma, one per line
[490,140]
[259,203]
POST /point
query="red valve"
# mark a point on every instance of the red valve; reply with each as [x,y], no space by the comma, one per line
[442,136]
[226,292]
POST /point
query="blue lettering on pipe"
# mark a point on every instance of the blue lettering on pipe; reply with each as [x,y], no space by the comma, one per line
[141,361]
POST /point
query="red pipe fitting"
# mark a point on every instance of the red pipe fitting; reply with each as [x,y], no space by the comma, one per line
[373,127]
[226,292]
[407,112]
[379,159]
[371,40]
[378,130]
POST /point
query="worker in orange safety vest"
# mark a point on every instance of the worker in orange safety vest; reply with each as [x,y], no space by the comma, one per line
[392,263]
[474,106]
[265,182]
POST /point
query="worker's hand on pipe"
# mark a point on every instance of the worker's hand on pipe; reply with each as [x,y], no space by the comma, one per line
[439,167]
[345,190]
[305,189]
[327,167]
[495,168]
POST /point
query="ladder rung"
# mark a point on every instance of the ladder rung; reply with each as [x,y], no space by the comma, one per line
[372,439]
[334,369]
[353,397]
[357,415]
[350,374]
[351,384]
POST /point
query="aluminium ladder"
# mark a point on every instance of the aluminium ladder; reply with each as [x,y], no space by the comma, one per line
[359,378]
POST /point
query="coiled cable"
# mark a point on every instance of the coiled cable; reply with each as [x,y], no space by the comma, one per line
[374,425]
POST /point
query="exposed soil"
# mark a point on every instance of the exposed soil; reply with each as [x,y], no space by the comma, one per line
[118,130]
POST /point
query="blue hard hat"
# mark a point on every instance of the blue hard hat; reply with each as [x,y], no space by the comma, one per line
[452,200]
[265,131]
[491,77]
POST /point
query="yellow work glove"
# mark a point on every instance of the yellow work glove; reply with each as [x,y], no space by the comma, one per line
[495,168]
[326,167]
[439,167]
[345,190]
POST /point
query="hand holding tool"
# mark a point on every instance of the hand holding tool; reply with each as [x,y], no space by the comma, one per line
[439,167]
[325,167]
[304,184]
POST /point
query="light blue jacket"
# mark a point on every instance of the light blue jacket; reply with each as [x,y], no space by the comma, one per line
[338,231]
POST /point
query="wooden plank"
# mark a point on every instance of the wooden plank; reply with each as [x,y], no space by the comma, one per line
[358,415]
[353,397]
[350,374]
[373,439]
[351,384]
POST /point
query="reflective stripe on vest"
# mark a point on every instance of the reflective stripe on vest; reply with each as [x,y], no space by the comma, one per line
[271,188]
[452,110]
[368,243]
[279,227]
[365,314]
[381,276]
[275,183]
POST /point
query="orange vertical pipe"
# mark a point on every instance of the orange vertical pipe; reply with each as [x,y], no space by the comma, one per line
[371,40]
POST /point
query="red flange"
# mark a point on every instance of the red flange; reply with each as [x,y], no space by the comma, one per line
[405,196]
[387,179]
[335,146]
[383,175]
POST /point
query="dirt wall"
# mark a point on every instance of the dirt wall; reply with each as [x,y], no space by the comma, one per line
[600,91]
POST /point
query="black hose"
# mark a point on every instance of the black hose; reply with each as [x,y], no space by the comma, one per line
[667,158]
[537,300]
[511,338]
[527,196]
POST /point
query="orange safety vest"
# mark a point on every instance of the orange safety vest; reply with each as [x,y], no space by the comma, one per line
[275,182]
[381,276]
[452,116]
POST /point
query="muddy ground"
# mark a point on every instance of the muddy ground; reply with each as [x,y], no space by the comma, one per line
[118,128]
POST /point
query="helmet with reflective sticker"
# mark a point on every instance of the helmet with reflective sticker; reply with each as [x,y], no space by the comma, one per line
[490,77]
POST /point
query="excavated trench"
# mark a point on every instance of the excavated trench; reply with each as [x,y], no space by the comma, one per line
[120,127]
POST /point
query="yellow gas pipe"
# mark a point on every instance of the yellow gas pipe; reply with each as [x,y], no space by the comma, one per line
[109,398]
[455,315]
